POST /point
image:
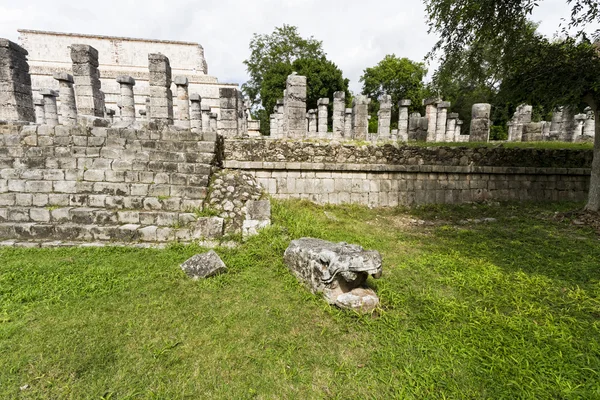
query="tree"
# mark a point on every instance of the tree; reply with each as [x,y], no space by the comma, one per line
[500,24]
[274,56]
[284,45]
[474,74]
[400,78]
[323,78]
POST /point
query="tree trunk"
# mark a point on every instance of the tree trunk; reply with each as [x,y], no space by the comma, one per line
[593,203]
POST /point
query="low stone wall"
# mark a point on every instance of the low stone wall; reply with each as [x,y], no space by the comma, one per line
[390,176]
[340,153]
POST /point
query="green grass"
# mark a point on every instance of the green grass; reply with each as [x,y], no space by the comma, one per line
[507,309]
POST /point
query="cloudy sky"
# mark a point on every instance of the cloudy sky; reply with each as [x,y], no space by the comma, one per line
[356,34]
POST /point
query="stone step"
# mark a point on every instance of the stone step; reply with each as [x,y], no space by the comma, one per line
[204,228]
[98,216]
[110,201]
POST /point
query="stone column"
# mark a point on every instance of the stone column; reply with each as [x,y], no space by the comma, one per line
[280,108]
[480,122]
[110,114]
[347,123]
[394,136]
[441,120]
[16,98]
[568,125]
[242,127]
[414,121]
[312,123]
[589,126]
[451,127]
[384,116]
[206,110]
[183,102]
[273,126]
[556,123]
[39,111]
[127,102]
[431,114]
[213,122]
[294,114]
[50,110]
[403,119]
[161,97]
[322,110]
[532,132]
[196,113]
[360,117]
[339,106]
[67,113]
[579,126]
[458,136]
[522,117]
[228,121]
[90,100]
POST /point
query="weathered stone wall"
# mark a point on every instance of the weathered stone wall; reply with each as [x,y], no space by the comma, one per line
[340,153]
[391,176]
[100,184]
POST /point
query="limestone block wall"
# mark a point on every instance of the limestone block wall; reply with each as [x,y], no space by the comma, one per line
[381,176]
[68,185]
[103,167]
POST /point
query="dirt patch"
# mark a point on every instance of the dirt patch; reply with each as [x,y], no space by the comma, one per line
[581,218]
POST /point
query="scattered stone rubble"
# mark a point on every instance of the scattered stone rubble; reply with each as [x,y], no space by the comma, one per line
[236,197]
[337,270]
[204,265]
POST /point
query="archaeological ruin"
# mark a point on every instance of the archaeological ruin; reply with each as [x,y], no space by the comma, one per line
[113,141]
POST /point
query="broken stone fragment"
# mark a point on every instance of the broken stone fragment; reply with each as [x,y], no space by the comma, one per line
[204,265]
[338,270]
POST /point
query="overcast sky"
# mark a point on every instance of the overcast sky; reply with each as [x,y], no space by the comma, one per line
[355,33]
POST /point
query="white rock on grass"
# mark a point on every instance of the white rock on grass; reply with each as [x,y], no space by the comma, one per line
[204,265]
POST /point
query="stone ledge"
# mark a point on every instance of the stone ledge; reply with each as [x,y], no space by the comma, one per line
[330,167]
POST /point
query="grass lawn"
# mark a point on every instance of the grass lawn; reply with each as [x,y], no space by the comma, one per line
[508,308]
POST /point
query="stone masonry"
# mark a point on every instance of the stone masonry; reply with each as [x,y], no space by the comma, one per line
[50,107]
[385,116]
[360,117]
[161,97]
[196,113]
[16,101]
[480,122]
[68,110]
[322,105]
[294,107]
[403,120]
[183,102]
[90,100]
[339,106]
[127,102]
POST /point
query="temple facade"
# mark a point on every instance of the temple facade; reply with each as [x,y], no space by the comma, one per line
[49,52]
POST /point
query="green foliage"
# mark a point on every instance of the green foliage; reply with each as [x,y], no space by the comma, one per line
[498,133]
[275,56]
[323,78]
[400,78]
[550,74]
[283,45]
[505,309]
